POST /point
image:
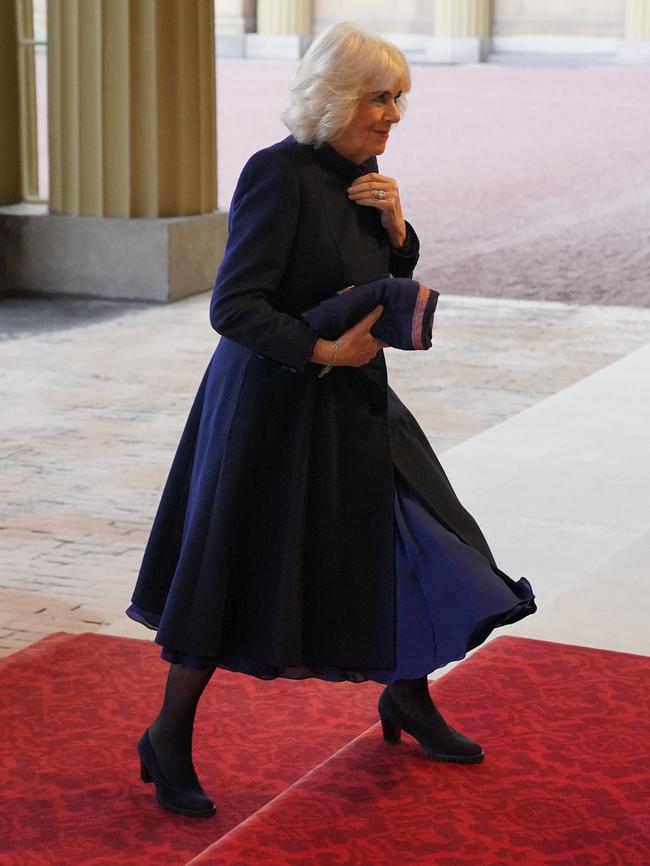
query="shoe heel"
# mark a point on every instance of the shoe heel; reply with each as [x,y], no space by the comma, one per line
[392,732]
[145,775]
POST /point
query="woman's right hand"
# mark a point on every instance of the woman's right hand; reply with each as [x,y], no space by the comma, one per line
[357,346]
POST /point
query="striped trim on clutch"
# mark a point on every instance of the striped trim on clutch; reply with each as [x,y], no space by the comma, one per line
[418,317]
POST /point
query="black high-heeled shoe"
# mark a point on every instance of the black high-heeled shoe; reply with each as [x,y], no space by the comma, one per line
[449,746]
[183,801]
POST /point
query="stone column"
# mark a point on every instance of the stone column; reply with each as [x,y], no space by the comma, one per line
[132,107]
[284,29]
[462,31]
[132,122]
[10,186]
[235,18]
[635,46]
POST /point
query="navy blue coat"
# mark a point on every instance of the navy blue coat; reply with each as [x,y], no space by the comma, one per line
[274,535]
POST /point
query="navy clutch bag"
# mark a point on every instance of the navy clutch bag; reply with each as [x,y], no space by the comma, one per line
[407,320]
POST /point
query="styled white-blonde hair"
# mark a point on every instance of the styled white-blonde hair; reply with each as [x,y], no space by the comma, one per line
[338,68]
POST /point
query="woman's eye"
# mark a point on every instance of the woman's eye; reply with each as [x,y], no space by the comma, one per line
[384,97]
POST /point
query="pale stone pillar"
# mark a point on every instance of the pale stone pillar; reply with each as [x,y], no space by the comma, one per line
[132,107]
[635,47]
[10,187]
[284,16]
[284,29]
[462,31]
[132,122]
[234,19]
[637,19]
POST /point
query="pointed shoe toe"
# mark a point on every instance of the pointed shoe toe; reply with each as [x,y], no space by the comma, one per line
[191,801]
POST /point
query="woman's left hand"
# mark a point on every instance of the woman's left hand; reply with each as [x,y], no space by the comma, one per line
[364,191]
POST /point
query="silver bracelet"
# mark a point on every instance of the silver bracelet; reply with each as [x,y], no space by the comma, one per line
[328,367]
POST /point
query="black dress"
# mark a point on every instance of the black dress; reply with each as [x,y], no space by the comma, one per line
[306,527]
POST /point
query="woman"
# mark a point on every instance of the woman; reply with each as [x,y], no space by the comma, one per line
[307,528]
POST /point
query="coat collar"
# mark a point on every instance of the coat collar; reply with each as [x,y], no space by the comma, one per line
[343,166]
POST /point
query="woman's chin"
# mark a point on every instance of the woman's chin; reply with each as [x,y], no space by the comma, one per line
[378,148]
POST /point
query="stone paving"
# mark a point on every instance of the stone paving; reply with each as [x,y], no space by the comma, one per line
[92,411]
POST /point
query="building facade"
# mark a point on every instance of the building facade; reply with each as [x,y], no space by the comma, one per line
[443,31]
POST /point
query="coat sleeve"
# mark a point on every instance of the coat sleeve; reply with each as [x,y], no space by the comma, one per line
[262,226]
[404,259]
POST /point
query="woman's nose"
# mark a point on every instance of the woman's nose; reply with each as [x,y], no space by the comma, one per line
[392,113]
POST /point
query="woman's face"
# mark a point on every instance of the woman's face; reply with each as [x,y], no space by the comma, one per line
[367,133]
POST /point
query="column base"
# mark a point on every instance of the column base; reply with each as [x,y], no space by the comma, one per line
[471,49]
[634,51]
[277,46]
[138,259]
[230,45]
[554,45]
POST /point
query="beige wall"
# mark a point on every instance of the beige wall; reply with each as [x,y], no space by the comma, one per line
[529,26]
[509,17]
[387,16]
[558,18]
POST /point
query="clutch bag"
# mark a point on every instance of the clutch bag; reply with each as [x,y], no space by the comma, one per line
[406,322]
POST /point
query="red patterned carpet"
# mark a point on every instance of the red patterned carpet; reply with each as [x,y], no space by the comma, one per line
[72,709]
[565,780]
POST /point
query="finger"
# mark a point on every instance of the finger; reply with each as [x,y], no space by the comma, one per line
[371,192]
[365,324]
[366,178]
[373,180]
[373,315]
[372,186]
[379,203]
[371,196]
[366,189]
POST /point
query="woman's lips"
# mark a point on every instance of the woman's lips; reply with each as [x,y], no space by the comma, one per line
[380,132]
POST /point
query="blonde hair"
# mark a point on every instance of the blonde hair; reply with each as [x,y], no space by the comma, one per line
[338,68]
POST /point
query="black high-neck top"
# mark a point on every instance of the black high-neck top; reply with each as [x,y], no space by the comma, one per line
[346,168]
[296,239]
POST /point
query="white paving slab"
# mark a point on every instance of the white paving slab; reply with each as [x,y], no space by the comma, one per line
[562,491]
[609,607]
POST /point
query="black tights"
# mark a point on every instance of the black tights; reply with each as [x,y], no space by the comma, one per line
[171,732]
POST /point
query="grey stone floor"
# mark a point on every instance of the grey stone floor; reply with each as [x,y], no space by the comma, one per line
[94,396]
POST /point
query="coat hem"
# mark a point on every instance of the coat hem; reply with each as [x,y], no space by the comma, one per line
[336,673]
